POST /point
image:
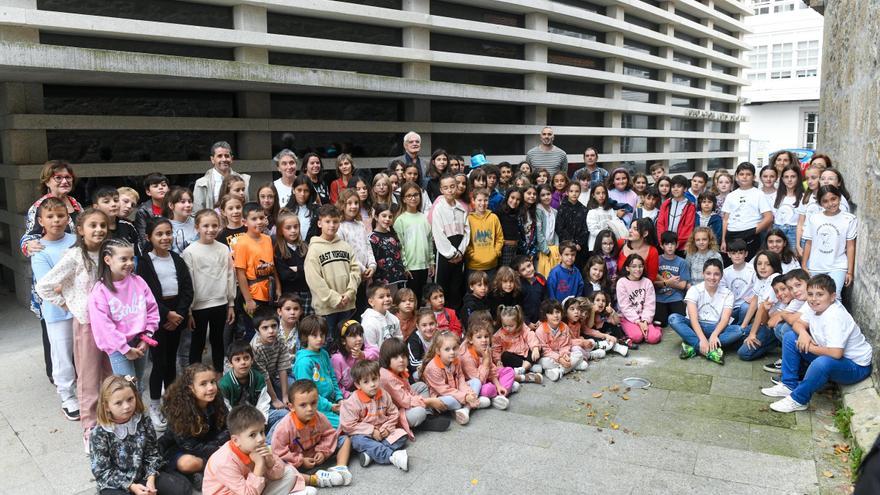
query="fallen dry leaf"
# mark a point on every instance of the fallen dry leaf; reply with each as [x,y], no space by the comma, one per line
[842,448]
[624,397]
[827,474]
[474,481]
[596,395]
[591,414]
[614,388]
[615,426]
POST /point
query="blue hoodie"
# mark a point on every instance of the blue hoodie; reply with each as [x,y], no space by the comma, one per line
[315,366]
[564,282]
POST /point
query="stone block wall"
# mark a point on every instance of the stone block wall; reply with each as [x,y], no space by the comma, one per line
[850,134]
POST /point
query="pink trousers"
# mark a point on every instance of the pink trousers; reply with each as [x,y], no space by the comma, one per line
[505,378]
[92,367]
[633,331]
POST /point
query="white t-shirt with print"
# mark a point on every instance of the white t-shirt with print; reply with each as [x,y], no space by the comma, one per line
[284,192]
[829,235]
[745,208]
[794,264]
[740,282]
[786,214]
[709,308]
[812,206]
[836,328]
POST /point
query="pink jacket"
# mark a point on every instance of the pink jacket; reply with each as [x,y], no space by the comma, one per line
[636,299]
[472,365]
[293,439]
[118,317]
[228,473]
[342,366]
[446,380]
[554,346]
[359,414]
[398,388]
[520,343]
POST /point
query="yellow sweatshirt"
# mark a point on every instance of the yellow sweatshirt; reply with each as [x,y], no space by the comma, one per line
[484,250]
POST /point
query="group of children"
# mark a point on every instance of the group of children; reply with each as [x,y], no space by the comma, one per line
[350,325]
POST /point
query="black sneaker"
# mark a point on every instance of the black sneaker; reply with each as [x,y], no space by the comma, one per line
[70,415]
[776,379]
[774,367]
[195,480]
[629,343]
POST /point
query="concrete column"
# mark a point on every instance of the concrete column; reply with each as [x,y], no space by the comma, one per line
[253,145]
[418,110]
[535,52]
[613,119]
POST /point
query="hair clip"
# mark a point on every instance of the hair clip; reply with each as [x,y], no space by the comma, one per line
[130,379]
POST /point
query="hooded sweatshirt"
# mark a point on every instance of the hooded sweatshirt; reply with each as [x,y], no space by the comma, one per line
[487,239]
[315,366]
[564,282]
[636,299]
[331,271]
[380,327]
[469,305]
[120,316]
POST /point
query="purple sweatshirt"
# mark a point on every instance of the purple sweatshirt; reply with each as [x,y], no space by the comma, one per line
[117,317]
[636,299]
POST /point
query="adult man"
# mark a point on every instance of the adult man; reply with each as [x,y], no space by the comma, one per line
[285,160]
[597,173]
[412,145]
[206,192]
[547,156]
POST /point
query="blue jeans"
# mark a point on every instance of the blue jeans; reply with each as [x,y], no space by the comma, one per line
[682,326]
[739,313]
[378,451]
[781,329]
[452,404]
[275,416]
[790,232]
[768,341]
[123,366]
[820,369]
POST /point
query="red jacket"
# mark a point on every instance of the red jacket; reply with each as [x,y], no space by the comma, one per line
[685,225]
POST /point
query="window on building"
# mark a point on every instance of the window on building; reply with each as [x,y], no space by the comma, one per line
[575,31]
[575,60]
[761,6]
[684,80]
[723,49]
[808,53]
[639,71]
[638,21]
[629,94]
[687,16]
[682,145]
[681,101]
[684,59]
[687,37]
[760,76]
[811,129]
[782,55]
[639,47]
[758,57]
[807,73]
[679,124]
[462,11]
[636,121]
[780,74]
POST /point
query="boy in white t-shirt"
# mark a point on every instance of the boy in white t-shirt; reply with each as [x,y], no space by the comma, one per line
[746,212]
[740,278]
[829,340]
[705,329]
[761,339]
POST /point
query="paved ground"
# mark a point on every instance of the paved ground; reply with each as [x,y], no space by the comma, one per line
[701,428]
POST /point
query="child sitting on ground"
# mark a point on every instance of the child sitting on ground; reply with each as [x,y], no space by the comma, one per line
[243,384]
[290,310]
[123,449]
[304,439]
[565,280]
[558,356]
[313,363]
[828,341]
[413,400]
[602,324]
[446,320]
[516,346]
[534,289]
[477,297]
[350,349]
[418,343]
[441,370]
[373,421]
[405,311]
[271,356]
[379,324]
[475,356]
[245,464]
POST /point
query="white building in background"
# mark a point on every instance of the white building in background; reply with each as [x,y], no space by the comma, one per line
[782,102]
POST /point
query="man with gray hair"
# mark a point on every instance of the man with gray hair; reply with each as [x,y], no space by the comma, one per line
[412,145]
[546,155]
[206,192]
[286,161]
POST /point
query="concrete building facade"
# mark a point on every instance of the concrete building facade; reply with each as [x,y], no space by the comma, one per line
[127,87]
[782,98]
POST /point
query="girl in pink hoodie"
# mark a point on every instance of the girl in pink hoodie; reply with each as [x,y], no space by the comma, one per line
[636,298]
[122,310]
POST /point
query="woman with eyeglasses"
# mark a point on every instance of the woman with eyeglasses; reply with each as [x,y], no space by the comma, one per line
[56,181]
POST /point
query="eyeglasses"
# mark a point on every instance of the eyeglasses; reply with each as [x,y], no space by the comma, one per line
[62,178]
[411,196]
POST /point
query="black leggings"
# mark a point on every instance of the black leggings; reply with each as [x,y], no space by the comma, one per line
[417,284]
[164,356]
[663,310]
[450,276]
[215,318]
[752,239]
[512,360]
[166,483]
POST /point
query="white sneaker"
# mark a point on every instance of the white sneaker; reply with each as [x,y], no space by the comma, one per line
[536,368]
[484,402]
[583,365]
[515,387]
[778,390]
[787,405]
[597,354]
[500,402]
[620,349]
[157,418]
[365,459]
[603,344]
[344,472]
[463,415]
[326,478]
[400,459]
[553,374]
[519,371]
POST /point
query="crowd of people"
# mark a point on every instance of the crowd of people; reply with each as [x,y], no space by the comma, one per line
[345,312]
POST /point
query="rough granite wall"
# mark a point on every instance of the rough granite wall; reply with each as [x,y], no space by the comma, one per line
[850,134]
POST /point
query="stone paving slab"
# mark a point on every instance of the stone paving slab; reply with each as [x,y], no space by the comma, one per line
[701,428]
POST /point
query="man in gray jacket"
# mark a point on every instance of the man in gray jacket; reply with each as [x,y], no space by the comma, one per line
[206,192]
